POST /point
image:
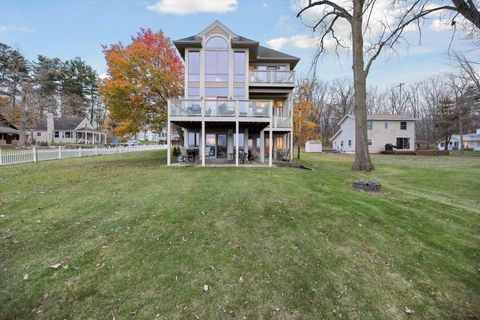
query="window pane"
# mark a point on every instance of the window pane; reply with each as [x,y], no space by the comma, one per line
[222,64]
[239,93]
[239,65]
[369,125]
[194,66]
[193,93]
[193,139]
[212,92]
[217,42]
[210,62]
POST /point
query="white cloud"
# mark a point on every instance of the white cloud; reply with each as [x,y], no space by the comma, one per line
[182,7]
[278,43]
[283,23]
[265,5]
[299,41]
[5,29]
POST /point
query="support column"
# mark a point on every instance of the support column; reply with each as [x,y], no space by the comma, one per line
[169,142]
[270,145]
[254,144]
[291,145]
[84,137]
[202,144]
[185,138]
[245,141]
[262,146]
[236,142]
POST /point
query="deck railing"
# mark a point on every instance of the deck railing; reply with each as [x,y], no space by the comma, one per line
[273,77]
[220,108]
[36,154]
[282,122]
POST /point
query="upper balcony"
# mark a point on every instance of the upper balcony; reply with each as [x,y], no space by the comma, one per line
[272,78]
[220,110]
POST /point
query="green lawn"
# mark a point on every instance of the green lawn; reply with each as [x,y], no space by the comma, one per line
[141,240]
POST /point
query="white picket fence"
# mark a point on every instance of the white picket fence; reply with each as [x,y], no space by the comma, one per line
[35,154]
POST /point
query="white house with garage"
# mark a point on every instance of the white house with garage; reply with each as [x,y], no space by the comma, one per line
[398,130]
[66,130]
[470,141]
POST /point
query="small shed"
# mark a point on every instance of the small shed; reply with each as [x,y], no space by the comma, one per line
[313,146]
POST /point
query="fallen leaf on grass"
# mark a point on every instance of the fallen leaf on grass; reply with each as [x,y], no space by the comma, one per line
[26,277]
[56,266]
[206,288]
[409,311]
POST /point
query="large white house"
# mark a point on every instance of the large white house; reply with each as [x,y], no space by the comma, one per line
[470,141]
[237,106]
[397,130]
[67,130]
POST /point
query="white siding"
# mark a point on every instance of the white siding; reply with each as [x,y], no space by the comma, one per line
[379,135]
[347,134]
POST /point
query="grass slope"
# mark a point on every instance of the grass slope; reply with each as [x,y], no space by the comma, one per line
[141,240]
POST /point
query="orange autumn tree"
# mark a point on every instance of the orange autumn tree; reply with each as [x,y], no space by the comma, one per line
[142,76]
[305,116]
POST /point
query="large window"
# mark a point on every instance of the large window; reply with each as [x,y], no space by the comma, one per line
[239,66]
[216,92]
[216,66]
[217,42]
[194,66]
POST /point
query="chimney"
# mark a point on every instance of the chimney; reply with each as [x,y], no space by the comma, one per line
[50,127]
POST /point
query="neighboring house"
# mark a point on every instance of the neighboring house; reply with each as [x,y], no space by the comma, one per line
[470,141]
[65,130]
[161,137]
[397,130]
[9,133]
[237,92]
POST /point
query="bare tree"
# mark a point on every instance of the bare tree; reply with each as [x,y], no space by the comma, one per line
[358,14]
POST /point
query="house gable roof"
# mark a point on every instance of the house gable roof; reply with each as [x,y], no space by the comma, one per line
[6,127]
[62,123]
[258,53]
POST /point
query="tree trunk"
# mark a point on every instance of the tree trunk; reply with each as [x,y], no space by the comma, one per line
[460,128]
[23,122]
[298,152]
[362,157]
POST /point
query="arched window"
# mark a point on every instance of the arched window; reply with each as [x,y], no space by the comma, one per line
[216,42]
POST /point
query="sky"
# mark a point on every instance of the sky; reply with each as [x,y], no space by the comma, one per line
[67,29]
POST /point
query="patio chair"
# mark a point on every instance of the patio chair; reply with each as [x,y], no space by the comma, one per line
[185,155]
[225,109]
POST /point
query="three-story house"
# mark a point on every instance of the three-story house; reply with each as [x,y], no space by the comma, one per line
[238,105]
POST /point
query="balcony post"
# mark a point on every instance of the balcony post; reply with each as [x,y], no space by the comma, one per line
[169,141]
[236,142]
[291,144]
[202,144]
[270,145]
[262,146]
